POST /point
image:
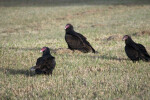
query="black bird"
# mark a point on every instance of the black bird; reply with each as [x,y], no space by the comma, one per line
[46,63]
[77,41]
[134,50]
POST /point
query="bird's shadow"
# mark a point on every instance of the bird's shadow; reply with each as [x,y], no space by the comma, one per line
[106,57]
[15,71]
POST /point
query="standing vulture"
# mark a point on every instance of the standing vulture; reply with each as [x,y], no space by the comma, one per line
[134,50]
[44,64]
[77,41]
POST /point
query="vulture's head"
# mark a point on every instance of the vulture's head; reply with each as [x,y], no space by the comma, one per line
[68,27]
[127,39]
[45,50]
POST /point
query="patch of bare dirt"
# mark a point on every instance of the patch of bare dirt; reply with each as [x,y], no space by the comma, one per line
[79,14]
[114,37]
[91,11]
[10,31]
[62,18]
[97,39]
[96,25]
[82,26]
[34,26]
[141,33]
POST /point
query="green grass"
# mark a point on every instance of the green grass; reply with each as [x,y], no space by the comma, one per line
[104,76]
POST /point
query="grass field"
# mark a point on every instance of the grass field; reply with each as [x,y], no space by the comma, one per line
[107,75]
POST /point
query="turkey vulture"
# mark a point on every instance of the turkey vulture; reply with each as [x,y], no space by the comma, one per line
[44,64]
[77,41]
[134,50]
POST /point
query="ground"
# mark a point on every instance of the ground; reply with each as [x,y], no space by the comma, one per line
[108,74]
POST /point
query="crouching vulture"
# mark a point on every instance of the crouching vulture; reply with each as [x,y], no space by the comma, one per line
[44,64]
[77,41]
[134,50]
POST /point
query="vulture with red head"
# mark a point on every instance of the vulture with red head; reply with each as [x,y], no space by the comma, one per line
[77,41]
[134,50]
[44,64]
